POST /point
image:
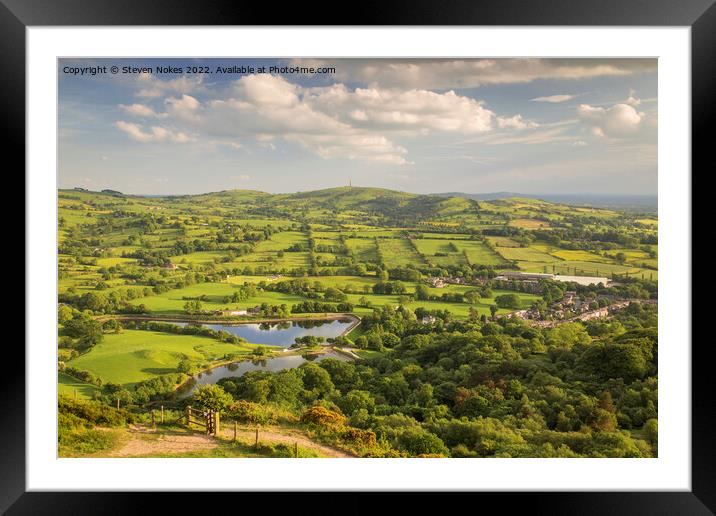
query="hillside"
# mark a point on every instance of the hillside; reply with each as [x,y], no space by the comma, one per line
[631,203]
[358,205]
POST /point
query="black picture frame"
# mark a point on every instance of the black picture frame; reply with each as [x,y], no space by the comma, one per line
[699,15]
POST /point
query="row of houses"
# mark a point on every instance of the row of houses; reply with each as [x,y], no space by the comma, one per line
[436,282]
[598,313]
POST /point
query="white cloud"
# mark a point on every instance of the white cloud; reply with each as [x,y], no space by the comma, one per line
[633,100]
[515,122]
[554,99]
[332,122]
[154,134]
[139,110]
[619,120]
[242,178]
[410,111]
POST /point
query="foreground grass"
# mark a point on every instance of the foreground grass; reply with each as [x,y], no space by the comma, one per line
[68,386]
[91,442]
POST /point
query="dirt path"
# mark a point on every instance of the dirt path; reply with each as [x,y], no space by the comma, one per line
[145,441]
[268,435]
[142,441]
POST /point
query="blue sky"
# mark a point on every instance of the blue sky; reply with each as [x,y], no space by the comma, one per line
[471,125]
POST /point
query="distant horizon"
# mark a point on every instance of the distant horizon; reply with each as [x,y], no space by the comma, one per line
[447,192]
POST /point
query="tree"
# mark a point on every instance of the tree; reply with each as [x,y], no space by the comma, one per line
[472,296]
[64,314]
[607,360]
[212,397]
[421,292]
[356,400]
[651,430]
[316,379]
[493,310]
[567,335]
[508,301]
[333,294]
[193,307]
[420,442]
[86,330]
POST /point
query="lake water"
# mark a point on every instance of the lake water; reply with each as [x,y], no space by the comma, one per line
[281,333]
[284,333]
[240,368]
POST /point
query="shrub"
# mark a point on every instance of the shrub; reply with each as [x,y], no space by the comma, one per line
[322,416]
[252,413]
[212,397]
[358,436]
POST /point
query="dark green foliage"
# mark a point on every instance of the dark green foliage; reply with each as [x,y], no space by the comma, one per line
[494,389]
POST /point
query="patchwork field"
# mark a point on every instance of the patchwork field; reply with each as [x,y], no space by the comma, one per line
[398,252]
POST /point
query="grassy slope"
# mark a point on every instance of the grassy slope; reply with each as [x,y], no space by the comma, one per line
[134,356]
[68,385]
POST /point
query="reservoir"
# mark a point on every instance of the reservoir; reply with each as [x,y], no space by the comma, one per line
[285,333]
[279,333]
[240,368]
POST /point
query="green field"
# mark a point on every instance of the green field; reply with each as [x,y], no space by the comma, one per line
[364,249]
[398,252]
[134,355]
[479,253]
[441,252]
[173,301]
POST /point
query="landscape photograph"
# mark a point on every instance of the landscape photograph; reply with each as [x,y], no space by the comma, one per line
[357,258]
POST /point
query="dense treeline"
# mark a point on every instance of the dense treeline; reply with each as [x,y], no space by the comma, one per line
[486,389]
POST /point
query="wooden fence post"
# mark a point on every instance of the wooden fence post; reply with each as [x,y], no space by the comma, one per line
[154,420]
[256,443]
[295,449]
[117,403]
[162,416]
[188,413]
[217,423]
[235,425]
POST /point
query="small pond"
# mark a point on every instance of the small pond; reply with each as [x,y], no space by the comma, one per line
[240,368]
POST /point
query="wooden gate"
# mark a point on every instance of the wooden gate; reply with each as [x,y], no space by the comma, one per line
[206,419]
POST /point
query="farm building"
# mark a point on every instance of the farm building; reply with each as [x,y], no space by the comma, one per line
[583,280]
[229,313]
[534,276]
[523,276]
[455,281]
[436,282]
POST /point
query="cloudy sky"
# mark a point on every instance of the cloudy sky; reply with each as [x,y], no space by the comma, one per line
[584,126]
